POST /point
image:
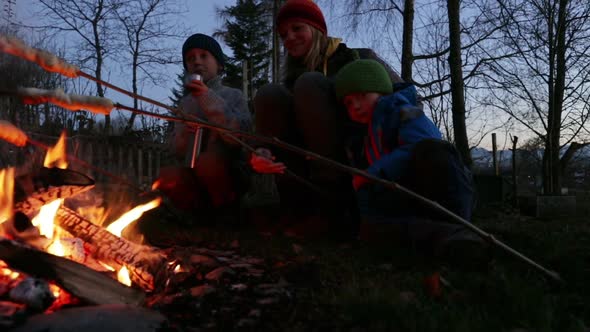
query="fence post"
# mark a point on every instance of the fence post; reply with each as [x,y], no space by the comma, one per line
[494,155]
[514,185]
[139,167]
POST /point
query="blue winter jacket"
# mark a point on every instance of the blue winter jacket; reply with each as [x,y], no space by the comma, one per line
[397,124]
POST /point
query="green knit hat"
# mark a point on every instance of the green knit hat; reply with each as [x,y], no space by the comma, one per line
[362,76]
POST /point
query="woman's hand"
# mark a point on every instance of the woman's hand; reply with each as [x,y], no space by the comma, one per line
[263,162]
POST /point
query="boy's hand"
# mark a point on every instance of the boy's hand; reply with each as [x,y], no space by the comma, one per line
[359,181]
[263,162]
[197,88]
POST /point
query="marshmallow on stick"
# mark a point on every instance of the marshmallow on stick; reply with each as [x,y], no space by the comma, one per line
[72,102]
[46,60]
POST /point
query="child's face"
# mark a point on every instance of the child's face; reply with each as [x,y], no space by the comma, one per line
[297,37]
[202,62]
[360,105]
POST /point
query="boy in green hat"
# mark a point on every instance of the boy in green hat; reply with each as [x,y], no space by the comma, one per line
[405,146]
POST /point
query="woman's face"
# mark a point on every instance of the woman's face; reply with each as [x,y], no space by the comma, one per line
[297,37]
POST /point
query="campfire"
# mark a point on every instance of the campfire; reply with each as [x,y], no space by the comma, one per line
[40,221]
[55,256]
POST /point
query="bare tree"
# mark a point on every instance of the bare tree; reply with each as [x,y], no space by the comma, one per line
[148,25]
[92,22]
[425,54]
[545,86]
[457,86]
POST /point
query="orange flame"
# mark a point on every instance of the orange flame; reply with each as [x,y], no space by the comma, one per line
[44,220]
[56,156]
[6,193]
[130,216]
[120,224]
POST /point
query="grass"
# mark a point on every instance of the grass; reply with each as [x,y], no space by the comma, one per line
[363,287]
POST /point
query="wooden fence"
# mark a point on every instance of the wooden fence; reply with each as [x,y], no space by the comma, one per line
[137,162]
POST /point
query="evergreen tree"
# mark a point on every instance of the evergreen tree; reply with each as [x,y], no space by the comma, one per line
[247,31]
[179,91]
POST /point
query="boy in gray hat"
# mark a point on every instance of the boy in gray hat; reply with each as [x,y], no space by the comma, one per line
[215,181]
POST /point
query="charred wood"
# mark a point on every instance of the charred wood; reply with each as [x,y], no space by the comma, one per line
[79,280]
[32,191]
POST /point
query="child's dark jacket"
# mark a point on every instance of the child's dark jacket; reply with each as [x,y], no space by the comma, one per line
[397,124]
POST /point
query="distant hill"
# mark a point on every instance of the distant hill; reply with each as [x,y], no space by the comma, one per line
[482,158]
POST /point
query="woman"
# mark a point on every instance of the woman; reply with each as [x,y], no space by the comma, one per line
[303,110]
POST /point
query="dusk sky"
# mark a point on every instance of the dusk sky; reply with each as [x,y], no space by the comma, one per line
[200,17]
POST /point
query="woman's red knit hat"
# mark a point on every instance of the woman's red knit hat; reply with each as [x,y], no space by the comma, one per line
[305,11]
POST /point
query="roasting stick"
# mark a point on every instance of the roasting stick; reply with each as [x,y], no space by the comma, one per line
[54,64]
[100,105]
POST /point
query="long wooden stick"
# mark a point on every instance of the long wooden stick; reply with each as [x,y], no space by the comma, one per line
[389,184]
[427,202]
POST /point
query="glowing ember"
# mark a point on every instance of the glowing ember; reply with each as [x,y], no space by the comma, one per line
[6,272]
[123,276]
[56,156]
[108,267]
[55,290]
[6,193]
[156,185]
[130,216]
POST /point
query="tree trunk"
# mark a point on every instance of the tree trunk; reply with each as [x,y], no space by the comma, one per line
[129,126]
[556,86]
[457,93]
[98,68]
[408,41]
[276,46]
[561,69]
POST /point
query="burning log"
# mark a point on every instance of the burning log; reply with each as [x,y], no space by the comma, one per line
[147,265]
[77,279]
[50,184]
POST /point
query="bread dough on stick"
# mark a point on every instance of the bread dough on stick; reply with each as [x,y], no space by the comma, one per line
[11,134]
[72,102]
[46,60]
